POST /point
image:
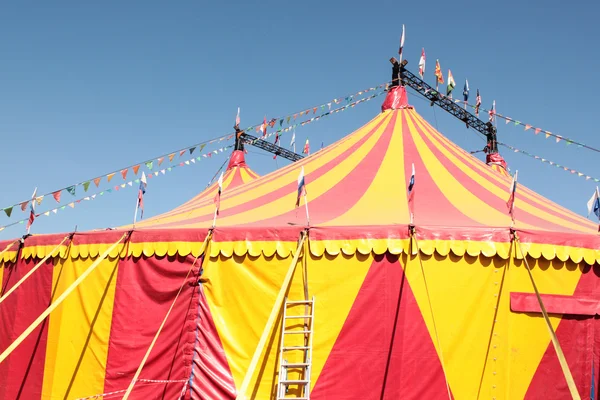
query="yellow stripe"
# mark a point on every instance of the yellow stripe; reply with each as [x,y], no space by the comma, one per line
[79,330]
[492,188]
[284,176]
[383,203]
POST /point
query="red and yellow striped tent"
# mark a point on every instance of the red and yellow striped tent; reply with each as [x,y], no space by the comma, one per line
[447,312]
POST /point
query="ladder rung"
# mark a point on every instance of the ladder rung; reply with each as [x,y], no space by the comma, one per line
[295,332]
[294,382]
[300,302]
[295,348]
[298,316]
[296,365]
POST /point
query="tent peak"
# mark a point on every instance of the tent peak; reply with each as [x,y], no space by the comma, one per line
[237,160]
[396,98]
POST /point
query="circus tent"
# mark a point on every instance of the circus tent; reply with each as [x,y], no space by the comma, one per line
[434,305]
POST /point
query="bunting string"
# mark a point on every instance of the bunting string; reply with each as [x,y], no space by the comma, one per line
[153,174]
[290,121]
[552,163]
[535,130]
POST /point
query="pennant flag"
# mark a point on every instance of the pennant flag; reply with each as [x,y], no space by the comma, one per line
[438,73]
[401,44]
[109,177]
[511,200]
[160,160]
[466,91]
[150,164]
[97,181]
[217,199]
[24,205]
[55,210]
[537,130]
[72,205]
[141,192]
[451,84]
[8,211]
[124,173]
[273,120]
[306,149]
[237,118]
[191,150]
[181,153]
[492,112]
[71,189]
[301,186]
[171,156]
[527,126]
[86,186]
[39,199]
[315,110]
[422,63]
[477,103]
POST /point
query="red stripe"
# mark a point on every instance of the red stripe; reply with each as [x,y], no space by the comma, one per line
[384,339]
[145,289]
[22,373]
[211,376]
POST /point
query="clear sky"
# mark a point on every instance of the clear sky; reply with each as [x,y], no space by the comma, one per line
[90,87]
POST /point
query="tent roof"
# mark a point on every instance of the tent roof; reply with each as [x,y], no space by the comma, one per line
[357,190]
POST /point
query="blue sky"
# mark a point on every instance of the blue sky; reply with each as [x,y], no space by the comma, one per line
[86,88]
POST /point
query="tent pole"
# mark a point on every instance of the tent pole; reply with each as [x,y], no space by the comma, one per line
[437,338]
[559,353]
[27,275]
[275,311]
[202,254]
[60,299]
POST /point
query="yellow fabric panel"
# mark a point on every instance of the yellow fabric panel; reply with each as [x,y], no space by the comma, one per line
[386,204]
[240,292]
[79,330]
[527,336]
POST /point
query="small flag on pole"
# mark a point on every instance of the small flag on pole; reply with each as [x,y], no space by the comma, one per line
[301,187]
[422,63]
[466,92]
[451,84]
[511,200]
[293,142]
[263,127]
[477,103]
[438,74]
[31,211]
[217,199]
[306,149]
[411,186]
[593,204]
[237,118]
[141,192]
[401,44]
[492,112]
